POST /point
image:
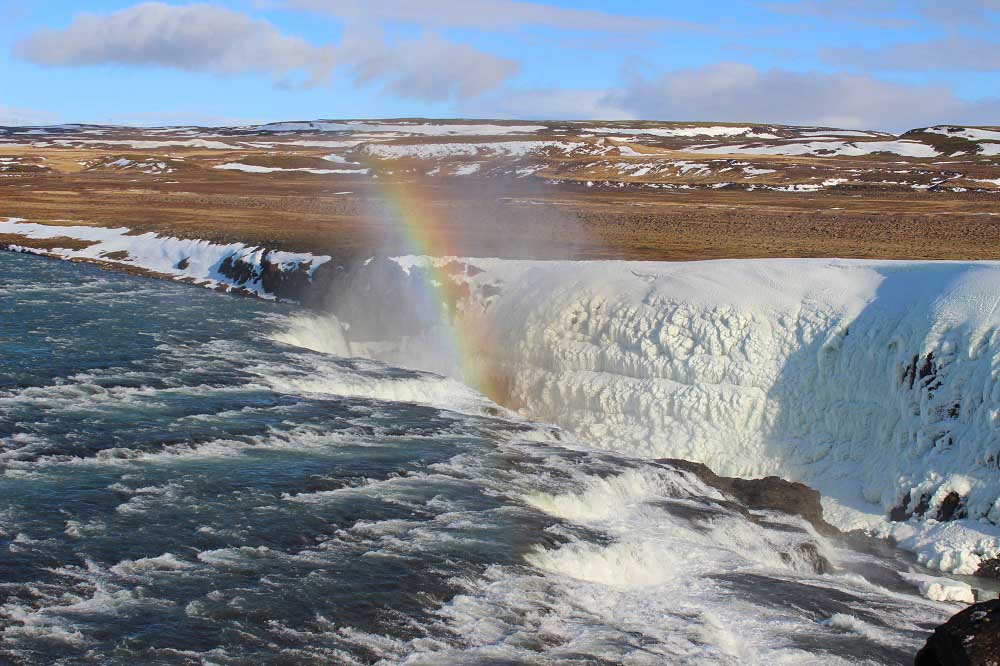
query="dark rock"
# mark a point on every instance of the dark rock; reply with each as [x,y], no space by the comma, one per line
[951,507]
[808,552]
[771,493]
[923,505]
[900,513]
[970,638]
[287,285]
[237,270]
[989,568]
[293,284]
[928,367]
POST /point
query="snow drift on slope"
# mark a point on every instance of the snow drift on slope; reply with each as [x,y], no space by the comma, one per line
[875,382]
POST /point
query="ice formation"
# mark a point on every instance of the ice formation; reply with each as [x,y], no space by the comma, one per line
[874,382]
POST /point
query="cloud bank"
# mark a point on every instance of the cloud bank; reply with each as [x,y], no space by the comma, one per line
[483,15]
[736,92]
[951,53]
[194,38]
[428,67]
[205,38]
[741,93]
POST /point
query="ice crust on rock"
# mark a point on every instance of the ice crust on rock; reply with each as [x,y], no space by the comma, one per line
[184,259]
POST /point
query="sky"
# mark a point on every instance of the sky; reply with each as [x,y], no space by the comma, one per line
[874,64]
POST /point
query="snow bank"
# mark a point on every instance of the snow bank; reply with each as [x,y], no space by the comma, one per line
[875,382]
[232,265]
[971,133]
[426,151]
[841,133]
[149,145]
[942,589]
[420,129]
[252,168]
[901,147]
[695,130]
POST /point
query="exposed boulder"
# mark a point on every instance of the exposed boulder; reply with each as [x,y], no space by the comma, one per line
[969,638]
[989,568]
[771,493]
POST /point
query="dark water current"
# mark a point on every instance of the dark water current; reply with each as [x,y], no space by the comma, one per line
[177,488]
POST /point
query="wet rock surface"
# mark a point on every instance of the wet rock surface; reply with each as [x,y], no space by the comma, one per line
[970,638]
[771,493]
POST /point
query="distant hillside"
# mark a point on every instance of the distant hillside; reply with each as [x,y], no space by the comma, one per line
[652,154]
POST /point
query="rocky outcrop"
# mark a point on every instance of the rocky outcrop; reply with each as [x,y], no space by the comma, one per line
[299,283]
[970,638]
[771,493]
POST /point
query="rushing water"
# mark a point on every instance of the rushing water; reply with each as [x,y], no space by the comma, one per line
[178,488]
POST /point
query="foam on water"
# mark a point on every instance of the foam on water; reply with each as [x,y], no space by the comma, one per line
[181,488]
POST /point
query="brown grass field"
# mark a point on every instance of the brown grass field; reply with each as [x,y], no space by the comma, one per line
[553,214]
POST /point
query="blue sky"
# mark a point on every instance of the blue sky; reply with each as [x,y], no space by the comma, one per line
[884,64]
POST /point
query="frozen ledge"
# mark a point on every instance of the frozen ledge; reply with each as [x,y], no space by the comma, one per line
[267,274]
[875,382]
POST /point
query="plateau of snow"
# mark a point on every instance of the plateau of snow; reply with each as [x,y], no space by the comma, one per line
[832,148]
[874,382]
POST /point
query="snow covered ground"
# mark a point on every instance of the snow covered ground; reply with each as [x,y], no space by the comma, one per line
[420,129]
[875,382]
[252,168]
[692,131]
[971,133]
[147,145]
[426,151]
[829,148]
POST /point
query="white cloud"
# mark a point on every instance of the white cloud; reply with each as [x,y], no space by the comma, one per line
[949,53]
[426,68]
[195,37]
[483,15]
[741,93]
[895,13]
[204,38]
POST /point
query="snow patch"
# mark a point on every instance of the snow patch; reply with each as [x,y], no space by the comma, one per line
[942,589]
[901,147]
[252,168]
[426,151]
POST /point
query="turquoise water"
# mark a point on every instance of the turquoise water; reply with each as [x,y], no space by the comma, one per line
[177,488]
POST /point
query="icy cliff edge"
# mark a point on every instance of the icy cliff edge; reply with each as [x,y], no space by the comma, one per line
[874,382]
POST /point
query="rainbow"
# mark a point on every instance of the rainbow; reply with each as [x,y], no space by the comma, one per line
[423,233]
